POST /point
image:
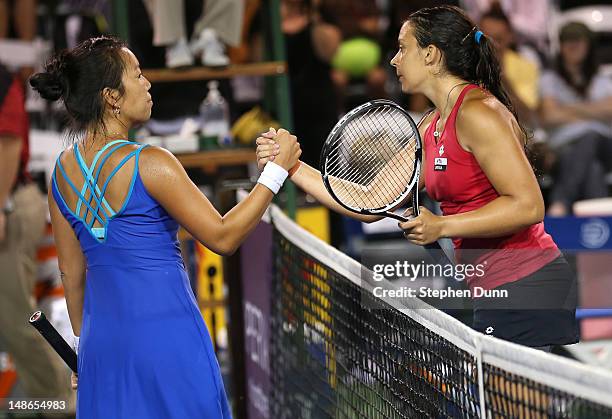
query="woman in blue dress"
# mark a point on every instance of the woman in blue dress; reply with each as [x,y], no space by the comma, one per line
[116,206]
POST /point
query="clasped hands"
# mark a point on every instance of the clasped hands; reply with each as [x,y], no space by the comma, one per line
[281,147]
[269,146]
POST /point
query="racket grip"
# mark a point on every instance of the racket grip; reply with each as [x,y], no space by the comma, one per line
[57,342]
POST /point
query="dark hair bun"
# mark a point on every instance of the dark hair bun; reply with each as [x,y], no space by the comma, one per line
[51,83]
[48,85]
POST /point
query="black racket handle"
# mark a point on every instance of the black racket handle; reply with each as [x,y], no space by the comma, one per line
[434,249]
[51,335]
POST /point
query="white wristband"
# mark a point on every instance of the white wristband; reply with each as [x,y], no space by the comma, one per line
[75,343]
[273,176]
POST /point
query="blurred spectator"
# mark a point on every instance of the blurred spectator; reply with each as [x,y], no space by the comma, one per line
[221,21]
[577,107]
[77,20]
[23,14]
[22,220]
[529,17]
[359,55]
[311,45]
[24,18]
[521,76]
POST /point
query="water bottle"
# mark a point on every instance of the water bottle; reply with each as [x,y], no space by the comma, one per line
[214,113]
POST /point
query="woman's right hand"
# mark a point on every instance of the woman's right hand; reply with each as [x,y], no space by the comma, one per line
[283,149]
[267,148]
[74,380]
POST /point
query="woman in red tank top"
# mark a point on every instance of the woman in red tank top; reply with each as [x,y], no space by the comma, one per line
[475,165]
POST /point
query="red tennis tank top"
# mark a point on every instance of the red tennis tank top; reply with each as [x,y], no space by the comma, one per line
[454,178]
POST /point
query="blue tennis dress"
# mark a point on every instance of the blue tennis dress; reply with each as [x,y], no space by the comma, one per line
[145,351]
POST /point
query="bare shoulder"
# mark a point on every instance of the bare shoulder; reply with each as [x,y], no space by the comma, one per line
[157,157]
[66,155]
[482,117]
[481,107]
[157,164]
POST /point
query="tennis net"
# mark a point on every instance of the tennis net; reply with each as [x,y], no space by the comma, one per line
[337,351]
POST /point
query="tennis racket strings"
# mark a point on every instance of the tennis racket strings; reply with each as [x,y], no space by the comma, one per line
[372,158]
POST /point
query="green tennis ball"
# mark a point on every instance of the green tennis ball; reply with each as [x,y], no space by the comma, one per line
[357,56]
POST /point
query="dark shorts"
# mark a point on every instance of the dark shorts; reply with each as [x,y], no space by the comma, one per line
[539,309]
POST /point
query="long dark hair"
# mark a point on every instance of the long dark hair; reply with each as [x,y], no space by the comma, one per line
[588,69]
[454,33]
[79,76]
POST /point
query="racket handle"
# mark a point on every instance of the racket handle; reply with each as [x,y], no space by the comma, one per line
[51,335]
[398,217]
[434,249]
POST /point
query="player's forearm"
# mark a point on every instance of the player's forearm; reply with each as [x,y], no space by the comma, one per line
[501,217]
[309,180]
[10,150]
[74,290]
[238,223]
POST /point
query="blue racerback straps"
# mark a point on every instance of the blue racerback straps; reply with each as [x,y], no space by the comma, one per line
[91,183]
[88,172]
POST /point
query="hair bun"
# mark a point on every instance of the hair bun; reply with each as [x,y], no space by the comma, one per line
[51,84]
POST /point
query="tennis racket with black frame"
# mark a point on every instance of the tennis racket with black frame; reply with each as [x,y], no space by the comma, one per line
[371,161]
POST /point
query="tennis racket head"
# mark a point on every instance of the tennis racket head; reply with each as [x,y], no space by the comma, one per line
[371,159]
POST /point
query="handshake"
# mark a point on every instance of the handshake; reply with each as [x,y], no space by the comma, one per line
[280,147]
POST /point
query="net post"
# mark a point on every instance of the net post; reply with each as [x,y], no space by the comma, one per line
[481,392]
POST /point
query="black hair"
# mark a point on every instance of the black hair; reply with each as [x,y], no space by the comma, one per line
[79,76]
[454,33]
[588,69]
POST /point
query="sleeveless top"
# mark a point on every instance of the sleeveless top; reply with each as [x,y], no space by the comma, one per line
[455,179]
[138,233]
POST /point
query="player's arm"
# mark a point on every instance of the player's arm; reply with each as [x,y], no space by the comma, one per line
[310,181]
[487,129]
[167,182]
[71,262]
[380,184]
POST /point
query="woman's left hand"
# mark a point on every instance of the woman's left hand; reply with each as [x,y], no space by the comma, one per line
[424,229]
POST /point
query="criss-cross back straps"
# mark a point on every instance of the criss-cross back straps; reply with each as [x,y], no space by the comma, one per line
[96,194]
[76,191]
[116,169]
[88,174]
